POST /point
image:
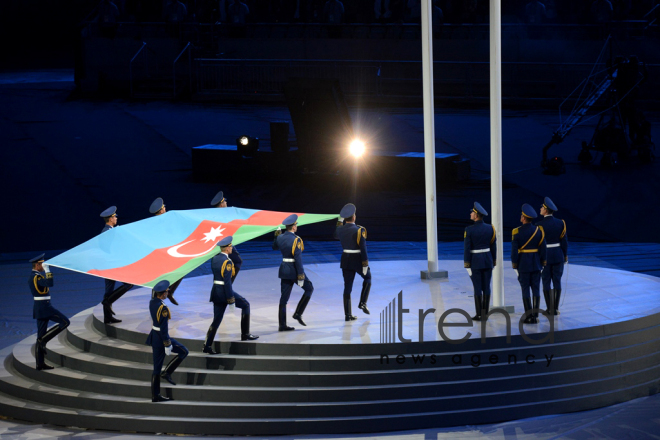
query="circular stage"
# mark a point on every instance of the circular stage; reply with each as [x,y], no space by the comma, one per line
[385,371]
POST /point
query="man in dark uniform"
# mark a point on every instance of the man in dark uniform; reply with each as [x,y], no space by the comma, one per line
[158,208]
[291,271]
[40,284]
[161,343]
[219,201]
[223,295]
[354,259]
[479,258]
[528,256]
[111,294]
[557,245]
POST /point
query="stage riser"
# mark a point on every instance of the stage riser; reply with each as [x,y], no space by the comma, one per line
[300,426]
[401,376]
[198,393]
[142,354]
[430,347]
[320,410]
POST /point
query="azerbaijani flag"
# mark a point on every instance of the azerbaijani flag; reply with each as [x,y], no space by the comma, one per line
[168,246]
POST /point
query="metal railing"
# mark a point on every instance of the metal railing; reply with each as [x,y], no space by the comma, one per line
[174,70]
[133,60]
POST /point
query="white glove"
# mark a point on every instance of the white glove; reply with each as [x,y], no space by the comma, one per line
[340,219]
[168,350]
[301,282]
[232,307]
[516,271]
[46,268]
[364,270]
[469,271]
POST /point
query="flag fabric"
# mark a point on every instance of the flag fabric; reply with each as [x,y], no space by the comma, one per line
[168,246]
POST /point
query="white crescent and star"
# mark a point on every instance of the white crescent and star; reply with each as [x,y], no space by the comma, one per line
[212,235]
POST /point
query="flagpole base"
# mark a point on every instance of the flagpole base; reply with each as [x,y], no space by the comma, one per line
[508,309]
[437,275]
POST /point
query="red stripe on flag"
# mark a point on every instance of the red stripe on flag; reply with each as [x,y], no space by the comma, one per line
[200,242]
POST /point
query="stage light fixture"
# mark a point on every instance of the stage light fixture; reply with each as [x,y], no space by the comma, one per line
[357,148]
[247,145]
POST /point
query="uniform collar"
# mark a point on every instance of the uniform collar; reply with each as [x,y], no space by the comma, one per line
[36,271]
[549,215]
[478,221]
[226,255]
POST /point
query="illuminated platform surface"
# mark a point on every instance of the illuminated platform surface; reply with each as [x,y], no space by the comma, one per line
[591,297]
[330,377]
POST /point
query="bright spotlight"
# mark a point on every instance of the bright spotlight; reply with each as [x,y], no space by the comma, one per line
[357,148]
[247,145]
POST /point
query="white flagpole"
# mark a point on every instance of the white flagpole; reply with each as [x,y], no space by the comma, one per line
[496,148]
[429,144]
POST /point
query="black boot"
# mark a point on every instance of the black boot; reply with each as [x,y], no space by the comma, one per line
[549,296]
[170,294]
[485,307]
[107,303]
[208,342]
[364,297]
[477,306]
[155,390]
[167,373]
[302,304]
[39,356]
[50,334]
[527,303]
[536,303]
[107,314]
[282,320]
[245,329]
[347,309]
[557,297]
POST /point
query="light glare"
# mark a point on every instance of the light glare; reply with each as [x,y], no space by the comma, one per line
[357,148]
[244,140]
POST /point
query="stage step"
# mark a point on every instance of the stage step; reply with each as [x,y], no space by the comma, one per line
[103,382]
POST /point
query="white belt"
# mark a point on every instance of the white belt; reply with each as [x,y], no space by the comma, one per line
[352,251]
[479,251]
[289,260]
[41,298]
[219,282]
[553,245]
[155,328]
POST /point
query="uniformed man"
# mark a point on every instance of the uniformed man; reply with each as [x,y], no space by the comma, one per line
[557,245]
[158,208]
[219,201]
[291,271]
[354,259]
[223,295]
[161,343]
[40,282]
[111,294]
[528,256]
[479,258]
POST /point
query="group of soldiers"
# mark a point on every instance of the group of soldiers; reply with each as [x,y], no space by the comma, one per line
[538,253]
[225,266]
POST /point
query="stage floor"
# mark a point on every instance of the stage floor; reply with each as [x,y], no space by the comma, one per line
[592,296]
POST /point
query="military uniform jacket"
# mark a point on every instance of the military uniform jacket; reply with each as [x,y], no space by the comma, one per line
[291,247]
[223,269]
[352,238]
[479,246]
[106,228]
[39,287]
[160,317]
[235,257]
[528,250]
[555,238]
